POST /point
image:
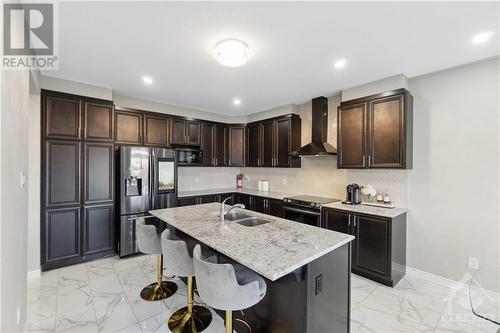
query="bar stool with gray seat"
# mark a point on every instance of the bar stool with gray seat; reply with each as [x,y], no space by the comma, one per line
[227,287]
[191,318]
[148,241]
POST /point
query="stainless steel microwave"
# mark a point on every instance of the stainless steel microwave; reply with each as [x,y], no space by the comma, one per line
[189,156]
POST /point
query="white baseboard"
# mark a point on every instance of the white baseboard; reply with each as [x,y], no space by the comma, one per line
[36,273]
[441,280]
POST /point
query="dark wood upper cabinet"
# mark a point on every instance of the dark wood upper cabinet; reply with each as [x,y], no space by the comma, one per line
[387,132]
[98,121]
[236,146]
[178,131]
[61,181]
[185,132]
[193,130]
[98,229]
[253,144]
[278,137]
[128,127]
[221,145]
[351,143]
[208,143]
[267,145]
[62,116]
[99,172]
[214,144]
[283,142]
[376,131]
[156,131]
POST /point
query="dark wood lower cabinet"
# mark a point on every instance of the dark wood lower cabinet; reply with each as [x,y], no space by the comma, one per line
[379,249]
[187,201]
[98,229]
[244,199]
[260,204]
[61,232]
[256,203]
[275,208]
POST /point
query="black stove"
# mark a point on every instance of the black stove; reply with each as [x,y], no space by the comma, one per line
[308,201]
[305,209]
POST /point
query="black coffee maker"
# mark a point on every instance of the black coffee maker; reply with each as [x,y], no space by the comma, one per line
[353,194]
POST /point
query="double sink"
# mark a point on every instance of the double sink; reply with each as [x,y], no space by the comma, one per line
[245,219]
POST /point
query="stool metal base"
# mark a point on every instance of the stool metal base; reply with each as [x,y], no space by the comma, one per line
[157,291]
[184,322]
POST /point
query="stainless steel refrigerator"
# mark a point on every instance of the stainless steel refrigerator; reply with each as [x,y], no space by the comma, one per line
[146,179]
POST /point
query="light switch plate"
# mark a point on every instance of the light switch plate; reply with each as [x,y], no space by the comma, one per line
[473,263]
[23,179]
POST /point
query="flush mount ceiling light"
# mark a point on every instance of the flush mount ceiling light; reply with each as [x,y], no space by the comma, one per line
[147,79]
[339,63]
[482,37]
[231,52]
[237,101]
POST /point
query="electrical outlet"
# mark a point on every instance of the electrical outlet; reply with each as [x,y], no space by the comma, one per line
[473,263]
[284,180]
[197,180]
[319,284]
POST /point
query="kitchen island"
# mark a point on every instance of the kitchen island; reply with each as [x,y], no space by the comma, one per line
[307,269]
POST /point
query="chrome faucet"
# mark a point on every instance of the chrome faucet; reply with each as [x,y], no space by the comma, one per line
[223,211]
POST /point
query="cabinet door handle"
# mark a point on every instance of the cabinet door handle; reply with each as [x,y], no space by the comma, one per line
[354,222]
[364,159]
[349,221]
[369,160]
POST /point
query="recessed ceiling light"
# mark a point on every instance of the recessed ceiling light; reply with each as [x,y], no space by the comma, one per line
[147,79]
[339,63]
[231,52]
[237,101]
[482,37]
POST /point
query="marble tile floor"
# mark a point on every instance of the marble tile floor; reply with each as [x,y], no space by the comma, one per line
[103,296]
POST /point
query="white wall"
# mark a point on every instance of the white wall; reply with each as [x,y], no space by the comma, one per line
[34,134]
[375,87]
[453,193]
[142,104]
[14,108]
[77,88]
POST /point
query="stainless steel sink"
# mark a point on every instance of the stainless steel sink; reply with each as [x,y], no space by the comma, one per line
[252,221]
[235,215]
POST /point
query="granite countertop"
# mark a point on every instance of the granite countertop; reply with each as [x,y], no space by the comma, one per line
[270,194]
[273,250]
[371,210]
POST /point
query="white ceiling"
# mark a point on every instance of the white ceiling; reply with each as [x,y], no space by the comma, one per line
[293,47]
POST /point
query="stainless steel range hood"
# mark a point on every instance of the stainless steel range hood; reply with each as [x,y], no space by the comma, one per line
[319,125]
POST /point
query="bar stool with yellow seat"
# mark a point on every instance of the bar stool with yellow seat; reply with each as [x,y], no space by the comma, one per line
[227,287]
[191,318]
[148,241]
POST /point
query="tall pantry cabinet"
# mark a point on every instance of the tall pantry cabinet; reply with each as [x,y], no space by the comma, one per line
[77,179]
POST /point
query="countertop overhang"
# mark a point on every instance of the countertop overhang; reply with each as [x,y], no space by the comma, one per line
[273,250]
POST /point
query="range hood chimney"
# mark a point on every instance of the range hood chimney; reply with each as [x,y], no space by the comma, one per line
[319,125]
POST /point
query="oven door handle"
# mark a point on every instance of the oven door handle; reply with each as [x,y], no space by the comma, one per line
[296,210]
